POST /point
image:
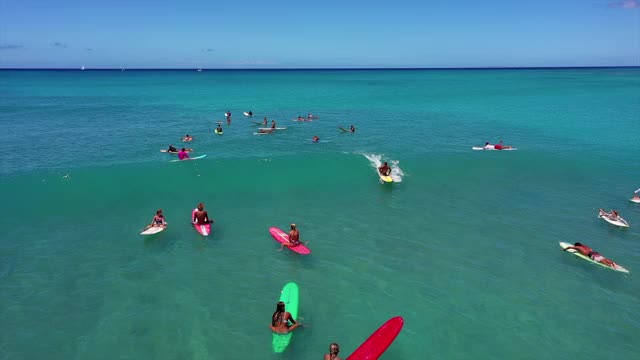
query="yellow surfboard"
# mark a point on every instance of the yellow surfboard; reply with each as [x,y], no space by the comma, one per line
[387,179]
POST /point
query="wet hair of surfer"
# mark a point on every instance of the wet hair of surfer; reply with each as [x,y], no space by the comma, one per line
[201,206]
[334,349]
[278,315]
[577,244]
[159,212]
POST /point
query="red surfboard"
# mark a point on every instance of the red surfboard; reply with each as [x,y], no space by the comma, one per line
[282,237]
[379,341]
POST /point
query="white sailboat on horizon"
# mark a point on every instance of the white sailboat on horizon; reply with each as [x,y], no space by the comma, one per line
[82,68]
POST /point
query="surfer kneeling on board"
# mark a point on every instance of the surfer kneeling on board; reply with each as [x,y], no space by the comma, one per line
[172,149]
[588,252]
[158,220]
[201,216]
[334,349]
[385,170]
[182,155]
[280,320]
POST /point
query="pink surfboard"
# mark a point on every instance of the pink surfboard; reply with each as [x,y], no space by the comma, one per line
[379,341]
[205,229]
[282,237]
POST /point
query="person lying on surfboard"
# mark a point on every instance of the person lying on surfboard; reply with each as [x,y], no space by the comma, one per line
[280,320]
[613,215]
[182,155]
[187,138]
[201,216]
[334,349]
[499,146]
[487,146]
[158,220]
[316,139]
[588,252]
[385,170]
[172,149]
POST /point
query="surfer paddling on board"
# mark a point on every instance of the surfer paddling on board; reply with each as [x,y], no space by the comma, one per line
[500,146]
[613,215]
[487,146]
[187,138]
[182,155]
[158,220]
[172,149]
[588,252]
[201,216]
[384,169]
[280,320]
[334,349]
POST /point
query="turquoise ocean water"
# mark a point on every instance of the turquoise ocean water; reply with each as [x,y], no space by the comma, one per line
[464,247]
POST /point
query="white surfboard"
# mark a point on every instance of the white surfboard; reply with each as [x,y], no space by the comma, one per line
[578,254]
[247,114]
[620,222]
[192,158]
[153,230]
[637,201]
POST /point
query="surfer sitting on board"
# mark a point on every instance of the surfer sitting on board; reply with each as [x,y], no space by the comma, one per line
[334,349]
[201,217]
[172,149]
[250,113]
[273,124]
[635,195]
[187,138]
[352,129]
[499,146]
[280,320]
[182,155]
[588,252]
[294,238]
[264,121]
[219,129]
[316,139]
[158,220]
[385,170]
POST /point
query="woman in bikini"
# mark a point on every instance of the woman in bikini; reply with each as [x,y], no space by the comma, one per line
[280,320]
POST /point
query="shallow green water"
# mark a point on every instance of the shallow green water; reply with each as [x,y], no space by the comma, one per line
[465,247]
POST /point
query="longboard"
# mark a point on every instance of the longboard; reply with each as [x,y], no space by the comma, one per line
[153,230]
[379,341]
[578,254]
[282,237]
[490,149]
[290,297]
[247,114]
[621,223]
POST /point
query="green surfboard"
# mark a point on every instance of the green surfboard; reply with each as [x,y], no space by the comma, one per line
[289,296]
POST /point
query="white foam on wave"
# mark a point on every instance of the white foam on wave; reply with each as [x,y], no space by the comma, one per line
[376,162]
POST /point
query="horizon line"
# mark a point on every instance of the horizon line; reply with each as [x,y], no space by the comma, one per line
[326,69]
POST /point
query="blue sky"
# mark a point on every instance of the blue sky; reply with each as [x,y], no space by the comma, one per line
[312,34]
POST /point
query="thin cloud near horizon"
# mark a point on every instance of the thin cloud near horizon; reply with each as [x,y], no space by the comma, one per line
[10,47]
[626,4]
[59,44]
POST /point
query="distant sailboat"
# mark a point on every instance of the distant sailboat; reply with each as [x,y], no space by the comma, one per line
[82,68]
[199,70]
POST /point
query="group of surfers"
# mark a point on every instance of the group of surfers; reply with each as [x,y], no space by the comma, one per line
[200,217]
[309,117]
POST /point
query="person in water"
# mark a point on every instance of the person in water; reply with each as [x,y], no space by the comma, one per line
[187,138]
[352,129]
[316,139]
[280,320]
[228,114]
[201,216]
[172,149]
[250,113]
[334,349]
[588,252]
[264,121]
[613,215]
[158,220]
[182,155]
[500,146]
[384,169]
[219,129]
